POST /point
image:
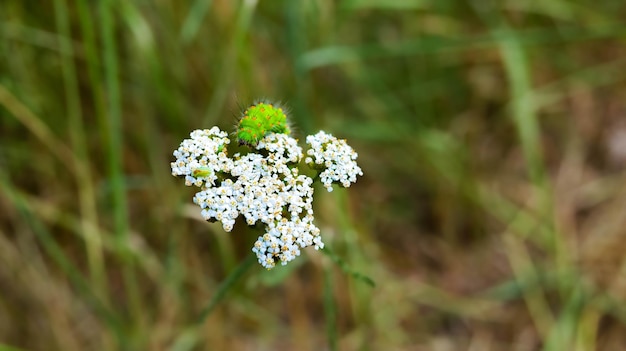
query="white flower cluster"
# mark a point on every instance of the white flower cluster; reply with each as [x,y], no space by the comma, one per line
[336,156]
[199,159]
[265,186]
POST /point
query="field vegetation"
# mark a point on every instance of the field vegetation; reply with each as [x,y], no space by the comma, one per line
[491,214]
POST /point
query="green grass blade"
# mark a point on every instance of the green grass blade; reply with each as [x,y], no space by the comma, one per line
[330,310]
[114,154]
[224,287]
[196,15]
[114,120]
[563,334]
[86,193]
[516,67]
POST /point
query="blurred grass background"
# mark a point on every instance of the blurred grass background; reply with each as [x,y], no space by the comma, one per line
[492,213]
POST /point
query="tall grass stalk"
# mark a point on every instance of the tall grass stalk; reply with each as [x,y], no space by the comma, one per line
[115,159]
[330,310]
[86,193]
[196,15]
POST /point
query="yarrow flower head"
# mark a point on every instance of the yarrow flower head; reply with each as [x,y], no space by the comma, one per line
[199,158]
[265,184]
[335,156]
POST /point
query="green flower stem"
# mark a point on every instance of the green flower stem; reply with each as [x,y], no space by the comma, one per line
[188,339]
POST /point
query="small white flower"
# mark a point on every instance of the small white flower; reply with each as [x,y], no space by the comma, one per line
[338,158]
[199,159]
[282,243]
[282,148]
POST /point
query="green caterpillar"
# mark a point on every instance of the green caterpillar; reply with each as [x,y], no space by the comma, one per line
[259,120]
